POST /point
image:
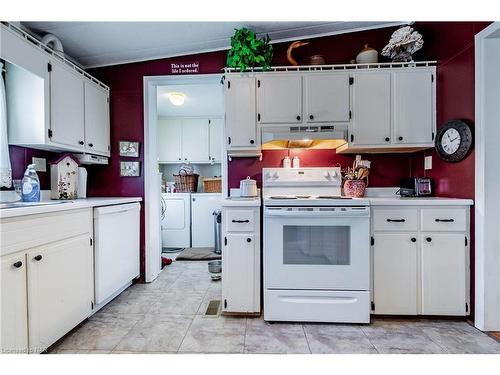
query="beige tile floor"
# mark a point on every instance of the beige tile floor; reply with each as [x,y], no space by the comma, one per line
[166,316]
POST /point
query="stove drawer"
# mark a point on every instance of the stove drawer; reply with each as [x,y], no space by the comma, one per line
[317,306]
[395,219]
[240,220]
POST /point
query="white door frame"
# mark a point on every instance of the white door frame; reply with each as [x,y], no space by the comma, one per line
[151,185]
[487,184]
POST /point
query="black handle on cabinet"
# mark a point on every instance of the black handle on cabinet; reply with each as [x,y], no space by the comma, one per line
[91,145]
[249,240]
[240,221]
[428,239]
[180,158]
[396,220]
[298,118]
[81,142]
[38,257]
[18,264]
[445,220]
[387,139]
[400,138]
[311,117]
[413,239]
[252,141]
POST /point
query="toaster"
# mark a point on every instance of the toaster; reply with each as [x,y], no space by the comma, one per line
[416,187]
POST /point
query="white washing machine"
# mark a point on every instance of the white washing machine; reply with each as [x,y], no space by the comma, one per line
[176,220]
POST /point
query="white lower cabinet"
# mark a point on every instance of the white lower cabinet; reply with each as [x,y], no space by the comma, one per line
[395,273]
[60,289]
[47,289]
[241,260]
[444,270]
[14,319]
[417,271]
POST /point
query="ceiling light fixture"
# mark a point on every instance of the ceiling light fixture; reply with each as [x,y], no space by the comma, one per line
[176,98]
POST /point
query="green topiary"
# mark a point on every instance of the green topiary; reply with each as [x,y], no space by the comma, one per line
[247,51]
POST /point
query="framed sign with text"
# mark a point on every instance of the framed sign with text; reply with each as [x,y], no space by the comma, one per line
[185,67]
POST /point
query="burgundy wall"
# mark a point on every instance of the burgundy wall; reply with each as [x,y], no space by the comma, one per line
[385,172]
[451,43]
[20,157]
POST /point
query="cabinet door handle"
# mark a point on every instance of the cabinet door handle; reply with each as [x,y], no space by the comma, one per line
[428,239]
[311,117]
[249,240]
[240,221]
[396,220]
[298,118]
[18,264]
[445,220]
[387,139]
[252,141]
[81,142]
[400,138]
[91,145]
[413,239]
[38,257]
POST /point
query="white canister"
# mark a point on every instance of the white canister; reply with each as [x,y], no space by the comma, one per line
[295,162]
[367,55]
[248,188]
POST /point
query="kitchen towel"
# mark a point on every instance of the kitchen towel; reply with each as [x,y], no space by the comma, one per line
[5,167]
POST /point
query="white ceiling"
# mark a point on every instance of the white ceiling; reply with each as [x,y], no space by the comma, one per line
[109,43]
[202,100]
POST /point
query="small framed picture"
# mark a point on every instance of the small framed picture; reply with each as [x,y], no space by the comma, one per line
[130,169]
[129,149]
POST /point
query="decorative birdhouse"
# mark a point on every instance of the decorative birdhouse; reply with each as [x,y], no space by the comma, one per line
[64,177]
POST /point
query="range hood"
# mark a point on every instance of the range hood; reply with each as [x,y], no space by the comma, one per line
[317,136]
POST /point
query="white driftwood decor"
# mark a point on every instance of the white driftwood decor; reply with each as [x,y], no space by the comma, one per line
[403,44]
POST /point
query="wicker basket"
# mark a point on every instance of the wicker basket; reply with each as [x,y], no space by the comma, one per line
[212,185]
[186,183]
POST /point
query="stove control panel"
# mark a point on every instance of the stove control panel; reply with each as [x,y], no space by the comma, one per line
[302,176]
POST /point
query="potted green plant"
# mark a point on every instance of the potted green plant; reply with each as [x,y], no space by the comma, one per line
[248,51]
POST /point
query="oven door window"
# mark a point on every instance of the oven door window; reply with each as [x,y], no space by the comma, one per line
[316,245]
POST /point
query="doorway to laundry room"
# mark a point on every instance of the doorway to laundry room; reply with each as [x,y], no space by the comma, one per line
[185,167]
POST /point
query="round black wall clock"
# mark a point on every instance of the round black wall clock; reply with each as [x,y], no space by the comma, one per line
[453,141]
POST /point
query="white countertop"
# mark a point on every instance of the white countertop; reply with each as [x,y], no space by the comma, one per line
[418,201]
[241,202]
[68,205]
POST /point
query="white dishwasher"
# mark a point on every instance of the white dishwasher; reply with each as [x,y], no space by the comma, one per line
[116,249]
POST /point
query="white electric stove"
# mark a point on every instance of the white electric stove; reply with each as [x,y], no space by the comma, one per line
[316,248]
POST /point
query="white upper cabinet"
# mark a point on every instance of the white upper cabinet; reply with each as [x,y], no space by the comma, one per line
[413,107]
[215,135]
[241,126]
[170,140]
[195,141]
[326,97]
[66,107]
[385,109]
[97,120]
[69,111]
[371,123]
[279,99]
